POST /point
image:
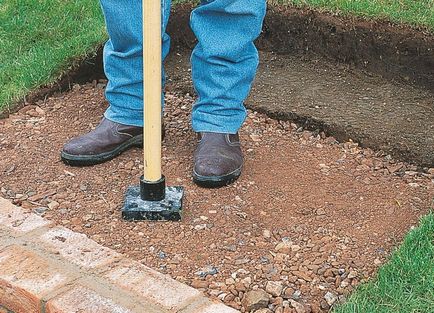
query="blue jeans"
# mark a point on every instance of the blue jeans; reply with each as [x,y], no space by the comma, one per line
[224,62]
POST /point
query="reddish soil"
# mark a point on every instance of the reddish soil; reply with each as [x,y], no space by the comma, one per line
[315,216]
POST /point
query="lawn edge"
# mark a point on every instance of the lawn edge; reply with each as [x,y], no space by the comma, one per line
[409,241]
[79,69]
[347,14]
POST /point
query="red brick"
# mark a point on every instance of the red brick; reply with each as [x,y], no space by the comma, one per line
[17,220]
[83,300]
[78,248]
[25,278]
[151,285]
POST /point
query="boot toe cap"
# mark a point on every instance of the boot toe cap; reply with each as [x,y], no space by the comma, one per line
[76,147]
[214,167]
[206,169]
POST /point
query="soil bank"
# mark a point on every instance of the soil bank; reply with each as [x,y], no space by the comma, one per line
[371,82]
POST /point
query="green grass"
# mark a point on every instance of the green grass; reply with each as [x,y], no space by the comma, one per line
[41,39]
[406,283]
[412,12]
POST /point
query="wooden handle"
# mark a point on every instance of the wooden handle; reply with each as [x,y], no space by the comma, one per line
[152,89]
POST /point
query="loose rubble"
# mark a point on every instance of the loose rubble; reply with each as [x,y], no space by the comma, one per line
[309,220]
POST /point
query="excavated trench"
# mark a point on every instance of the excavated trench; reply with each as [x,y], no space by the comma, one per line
[369,81]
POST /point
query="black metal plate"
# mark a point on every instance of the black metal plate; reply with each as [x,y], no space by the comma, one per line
[168,209]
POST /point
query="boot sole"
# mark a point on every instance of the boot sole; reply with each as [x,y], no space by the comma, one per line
[88,160]
[216,181]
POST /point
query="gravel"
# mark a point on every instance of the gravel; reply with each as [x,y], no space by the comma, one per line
[308,221]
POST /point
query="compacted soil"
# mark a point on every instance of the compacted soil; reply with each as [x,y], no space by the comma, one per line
[344,102]
[369,80]
[308,220]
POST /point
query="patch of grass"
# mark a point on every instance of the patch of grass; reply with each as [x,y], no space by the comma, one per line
[406,283]
[412,12]
[40,40]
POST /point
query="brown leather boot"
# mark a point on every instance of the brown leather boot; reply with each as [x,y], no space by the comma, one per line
[106,141]
[218,160]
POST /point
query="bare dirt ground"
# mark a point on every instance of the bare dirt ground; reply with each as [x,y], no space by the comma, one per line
[397,52]
[308,220]
[342,101]
[369,80]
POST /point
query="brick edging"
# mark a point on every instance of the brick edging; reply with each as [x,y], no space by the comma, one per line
[50,269]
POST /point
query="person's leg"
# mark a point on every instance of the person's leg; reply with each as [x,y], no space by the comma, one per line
[123,59]
[224,64]
[121,128]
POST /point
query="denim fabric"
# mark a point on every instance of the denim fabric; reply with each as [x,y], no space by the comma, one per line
[224,62]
